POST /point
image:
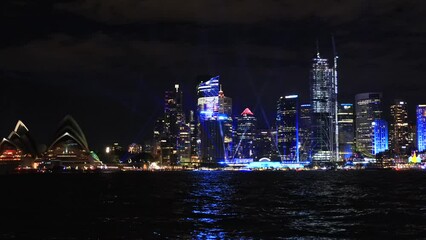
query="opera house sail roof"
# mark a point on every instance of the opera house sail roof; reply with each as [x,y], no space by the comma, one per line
[19,144]
[69,145]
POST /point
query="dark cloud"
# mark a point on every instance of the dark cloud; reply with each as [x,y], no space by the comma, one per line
[109,62]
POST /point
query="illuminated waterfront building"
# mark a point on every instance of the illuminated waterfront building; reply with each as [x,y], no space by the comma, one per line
[245,137]
[135,148]
[287,124]
[266,146]
[368,109]
[305,133]
[215,123]
[324,129]
[69,147]
[346,130]
[19,147]
[399,131]
[421,127]
[380,140]
[174,119]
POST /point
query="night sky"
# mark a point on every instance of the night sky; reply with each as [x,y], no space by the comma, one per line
[108,62]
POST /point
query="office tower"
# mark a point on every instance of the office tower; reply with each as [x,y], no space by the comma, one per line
[245,137]
[421,127]
[380,141]
[173,122]
[305,132]
[215,123]
[367,110]
[287,122]
[399,131]
[324,110]
[345,117]
[194,138]
[265,145]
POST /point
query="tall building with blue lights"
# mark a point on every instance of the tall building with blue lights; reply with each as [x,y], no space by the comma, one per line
[368,109]
[380,140]
[324,110]
[421,127]
[287,125]
[215,123]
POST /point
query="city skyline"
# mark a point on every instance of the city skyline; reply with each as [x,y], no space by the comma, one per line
[112,70]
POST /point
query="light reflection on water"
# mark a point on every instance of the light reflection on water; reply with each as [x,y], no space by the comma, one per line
[217,205]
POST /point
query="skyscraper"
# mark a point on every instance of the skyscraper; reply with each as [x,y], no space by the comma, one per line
[368,109]
[324,110]
[421,127]
[288,127]
[399,136]
[305,133]
[215,123]
[245,137]
[380,140]
[346,129]
[174,120]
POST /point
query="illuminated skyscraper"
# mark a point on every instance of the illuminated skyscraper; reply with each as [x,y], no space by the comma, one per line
[324,110]
[173,123]
[368,109]
[399,136]
[245,137]
[346,129]
[288,127]
[380,140]
[305,133]
[215,123]
[421,127]
[265,145]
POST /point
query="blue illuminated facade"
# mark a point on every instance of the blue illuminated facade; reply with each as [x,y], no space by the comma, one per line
[421,128]
[209,88]
[215,123]
[380,142]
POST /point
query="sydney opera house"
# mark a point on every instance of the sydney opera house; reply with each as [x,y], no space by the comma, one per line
[68,150]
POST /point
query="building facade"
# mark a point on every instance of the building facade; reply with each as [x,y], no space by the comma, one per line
[399,131]
[380,140]
[368,109]
[346,130]
[287,125]
[214,123]
[421,127]
[305,133]
[324,129]
[245,136]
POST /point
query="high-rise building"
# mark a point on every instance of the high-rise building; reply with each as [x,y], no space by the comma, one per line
[399,137]
[380,140]
[194,138]
[287,122]
[245,137]
[305,132]
[173,122]
[421,127]
[324,110]
[346,130]
[265,145]
[215,123]
[368,109]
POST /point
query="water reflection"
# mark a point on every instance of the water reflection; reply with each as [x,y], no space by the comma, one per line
[210,197]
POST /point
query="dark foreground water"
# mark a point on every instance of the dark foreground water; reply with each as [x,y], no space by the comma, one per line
[224,205]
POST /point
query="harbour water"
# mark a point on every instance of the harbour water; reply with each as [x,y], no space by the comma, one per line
[216,205]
